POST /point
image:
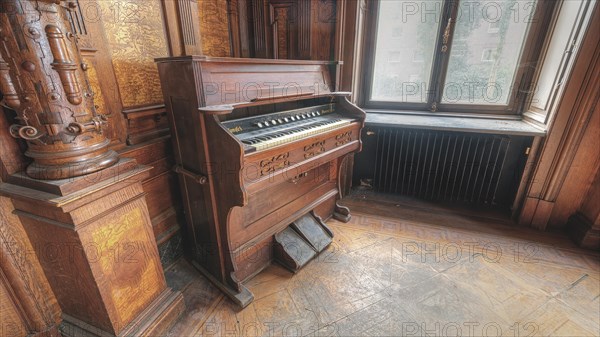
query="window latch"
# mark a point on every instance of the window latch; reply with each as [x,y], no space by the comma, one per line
[446,36]
[571,47]
[433,107]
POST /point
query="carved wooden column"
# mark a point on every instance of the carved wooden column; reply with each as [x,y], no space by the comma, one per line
[82,207]
[43,79]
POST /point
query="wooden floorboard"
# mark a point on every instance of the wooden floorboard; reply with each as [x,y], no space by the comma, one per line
[404,268]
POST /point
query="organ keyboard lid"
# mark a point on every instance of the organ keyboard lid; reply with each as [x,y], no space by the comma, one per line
[240,82]
[226,108]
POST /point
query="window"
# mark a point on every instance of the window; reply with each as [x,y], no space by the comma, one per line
[468,56]
[568,27]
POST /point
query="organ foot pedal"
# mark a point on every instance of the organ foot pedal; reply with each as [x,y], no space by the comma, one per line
[301,241]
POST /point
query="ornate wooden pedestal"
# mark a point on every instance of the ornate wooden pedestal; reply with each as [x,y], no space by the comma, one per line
[93,238]
[83,209]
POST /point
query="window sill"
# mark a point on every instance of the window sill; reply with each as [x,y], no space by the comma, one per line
[461,124]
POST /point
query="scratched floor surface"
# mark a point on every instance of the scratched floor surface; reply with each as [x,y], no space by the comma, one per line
[403,268]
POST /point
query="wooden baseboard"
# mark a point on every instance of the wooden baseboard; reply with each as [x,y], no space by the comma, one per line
[582,231]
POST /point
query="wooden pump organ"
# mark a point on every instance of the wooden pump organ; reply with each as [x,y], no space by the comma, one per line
[259,146]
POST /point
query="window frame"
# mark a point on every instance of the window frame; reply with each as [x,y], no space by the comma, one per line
[527,64]
[542,116]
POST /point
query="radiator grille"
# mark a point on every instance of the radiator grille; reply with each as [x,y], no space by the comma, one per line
[437,165]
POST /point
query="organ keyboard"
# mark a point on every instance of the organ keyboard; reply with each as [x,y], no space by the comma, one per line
[261,148]
[259,133]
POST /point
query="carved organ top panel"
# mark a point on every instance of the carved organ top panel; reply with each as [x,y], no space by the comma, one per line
[233,80]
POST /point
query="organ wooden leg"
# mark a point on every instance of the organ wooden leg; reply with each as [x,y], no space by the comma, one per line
[241,296]
[344,180]
[341,213]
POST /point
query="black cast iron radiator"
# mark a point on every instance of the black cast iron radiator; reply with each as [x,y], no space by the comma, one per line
[439,165]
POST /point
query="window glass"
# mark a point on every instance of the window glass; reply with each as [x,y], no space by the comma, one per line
[570,13]
[486,48]
[405,46]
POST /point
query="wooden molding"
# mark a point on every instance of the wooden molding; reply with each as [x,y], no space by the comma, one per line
[261,25]
[348,33]
[238,28]
[146,123]
[303,17]
[571,122]
[182,27]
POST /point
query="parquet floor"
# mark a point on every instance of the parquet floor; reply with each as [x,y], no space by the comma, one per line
[404,268]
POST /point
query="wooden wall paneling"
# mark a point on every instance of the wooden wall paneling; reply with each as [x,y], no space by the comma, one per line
[182,27]
[239,22]
[172,27]
[528,169]
[340,36]
[286,29]
[163,195]
[150,152]
[140,31]
[582,170]
[305,37]
[347,34]
[214,27]
[87,22]
[284,19]
[584,226]
[146,123]
[136,36]
[590,207]
[234,19]
[178,34]
[303,29]
[565,140]
[190,28]
[323,24]
[262,37]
